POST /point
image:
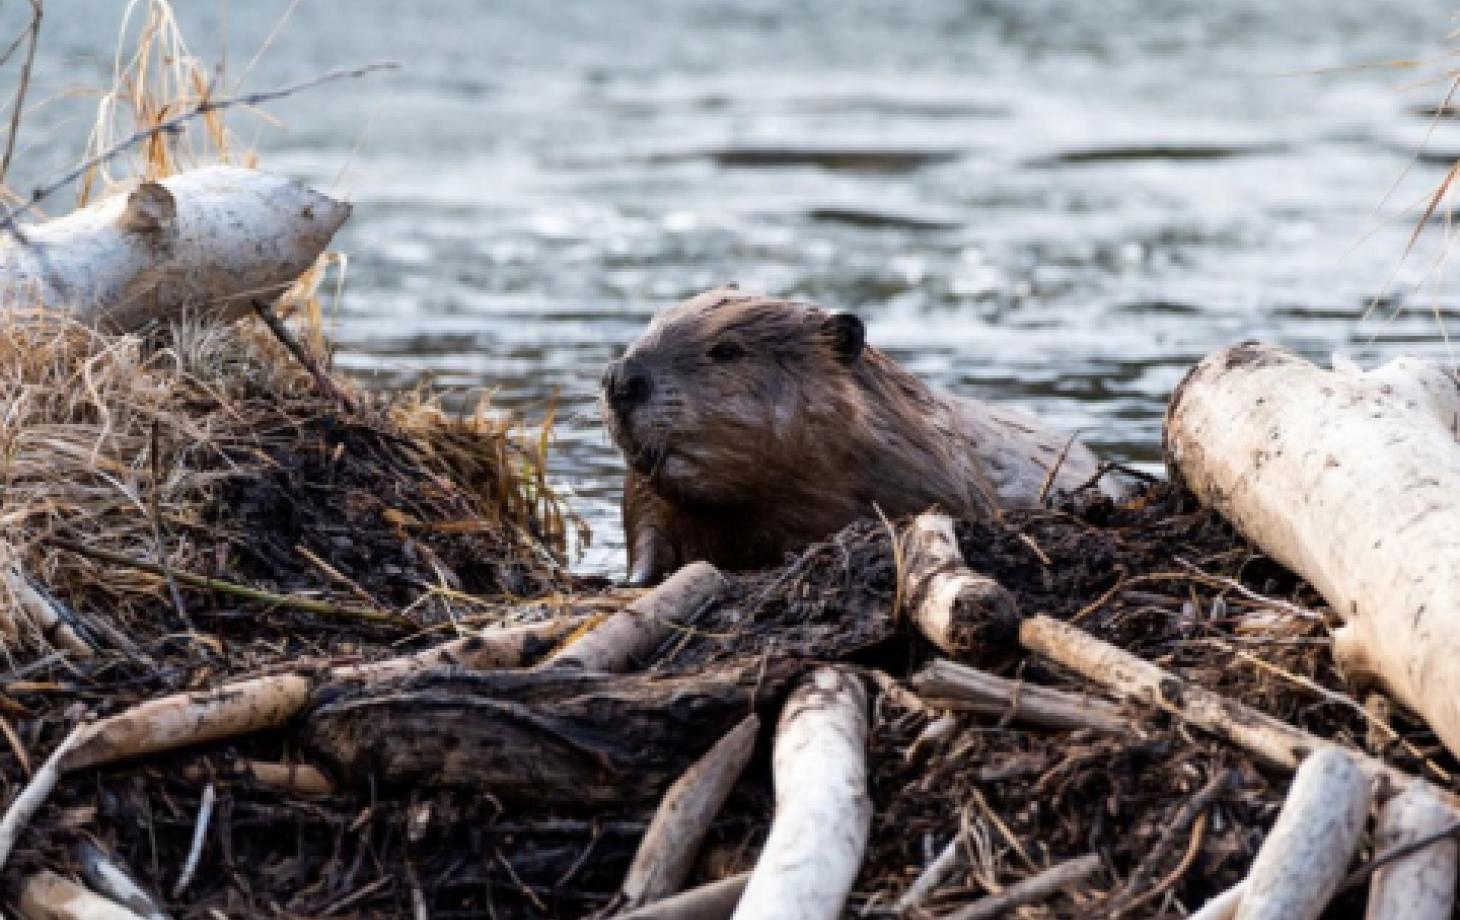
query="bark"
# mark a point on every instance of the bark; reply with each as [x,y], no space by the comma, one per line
[1303,859]
[632,634]
[550,737]
[1420,886]
[715,901]
[1352,480]
[48,896]
[954,686]
[667,853]
[963,613]
[823,811]
[207,241]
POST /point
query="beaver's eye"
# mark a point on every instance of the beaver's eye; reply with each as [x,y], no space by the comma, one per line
[726,350]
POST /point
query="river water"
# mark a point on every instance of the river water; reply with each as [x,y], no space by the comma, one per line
[1059,205]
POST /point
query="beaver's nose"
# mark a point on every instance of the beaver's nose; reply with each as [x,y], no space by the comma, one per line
[627,384]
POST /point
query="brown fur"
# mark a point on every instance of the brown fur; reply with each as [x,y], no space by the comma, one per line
[768,426]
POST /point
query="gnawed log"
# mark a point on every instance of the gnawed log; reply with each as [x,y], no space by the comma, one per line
[1302,861]
[1420,886]
[667,853]
[205,241]
[954,686]
[1352,480]
[961,612]
[632,633]
[48,896]
[552,736]
[714,901]
[823,811]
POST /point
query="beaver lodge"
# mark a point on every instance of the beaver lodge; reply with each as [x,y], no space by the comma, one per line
[279,646]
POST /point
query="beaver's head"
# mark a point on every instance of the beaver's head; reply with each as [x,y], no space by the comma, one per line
[727,391]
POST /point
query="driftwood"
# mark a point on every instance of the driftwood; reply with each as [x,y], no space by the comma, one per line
[823,810]
[48,896]
[959,611]
[715,901]
[1035,888]
[1352,480]
[1420,886]
[667,853]
[954,686]
[1303,859]
[632,633]
[206,241]
[551,736]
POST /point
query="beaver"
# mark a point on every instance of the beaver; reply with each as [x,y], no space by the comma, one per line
[752,426]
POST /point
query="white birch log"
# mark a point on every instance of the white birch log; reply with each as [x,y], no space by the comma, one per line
[667,853]
[1420,886]
[1352,480]
[1303,859]
[48,896]
[204,241]
[823,811]
[957,609]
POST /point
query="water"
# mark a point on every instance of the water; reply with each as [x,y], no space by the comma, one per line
[1056,205]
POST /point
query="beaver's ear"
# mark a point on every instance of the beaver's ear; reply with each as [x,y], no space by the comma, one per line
[848,335]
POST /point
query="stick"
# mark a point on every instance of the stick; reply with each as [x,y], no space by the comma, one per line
[937,872]
[1036,888]
[1302,861]
[823,812]
[1223,906]
[957,610]
[1420,886]
[322,379]
[100,870]
[634,632]
[1133,894]
[715,901]
[48,896]
[954,686]
[35,793]
[1272,740]
[200,834]
[667,853]
[18,103]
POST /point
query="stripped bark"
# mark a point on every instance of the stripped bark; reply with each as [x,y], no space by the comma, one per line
[206,240]
[1352,480]
[961,612]
[1420,886]
[631,634]
[954,686]
[1302,862]
[667,853]
[823,812]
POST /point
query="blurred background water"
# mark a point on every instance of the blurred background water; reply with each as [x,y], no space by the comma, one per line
[1060,205]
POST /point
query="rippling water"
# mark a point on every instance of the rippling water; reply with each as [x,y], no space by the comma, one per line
[1060,205]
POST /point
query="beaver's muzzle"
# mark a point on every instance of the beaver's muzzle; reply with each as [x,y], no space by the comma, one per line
[627,384]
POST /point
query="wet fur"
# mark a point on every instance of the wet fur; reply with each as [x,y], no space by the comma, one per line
[739,460]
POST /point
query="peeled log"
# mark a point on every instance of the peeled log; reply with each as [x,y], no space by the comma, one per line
[1420,886]
[1303,859]
[823,811]
[208,241]
[958,610]
[1351,479]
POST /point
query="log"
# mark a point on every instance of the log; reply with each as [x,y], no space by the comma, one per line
[823,812]
[634,632]
[1120,672]
[1352,480]
[715,901]
[963,613]
[1420,886]
[1030,890]
[549,737]
[206,241]
[1302,862]
[667,853]
[48,896]
[954,686]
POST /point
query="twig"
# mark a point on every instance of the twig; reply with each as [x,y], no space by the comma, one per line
[1362,873]
[36,10]
[200,834]
[204,583]
[204,106]
[296,348]
[1032,889]
[156,495]
[1054,470]
[35,793]
[933,876]
[1132,896]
